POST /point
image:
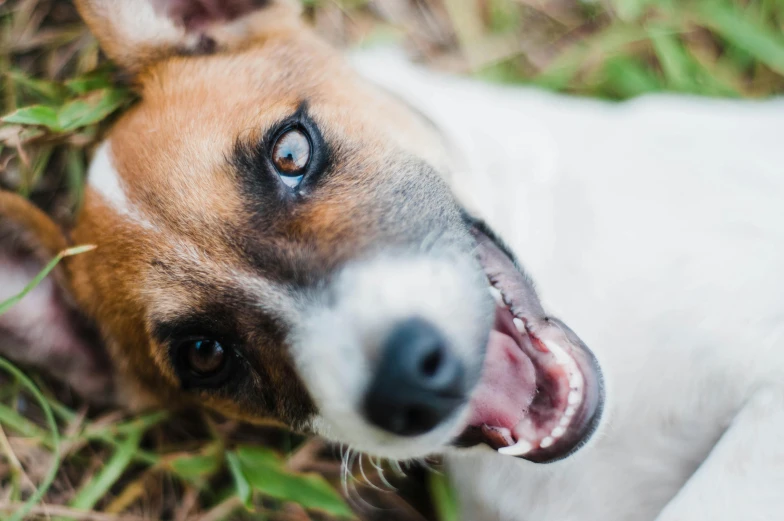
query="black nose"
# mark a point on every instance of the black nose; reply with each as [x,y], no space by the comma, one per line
[418,381]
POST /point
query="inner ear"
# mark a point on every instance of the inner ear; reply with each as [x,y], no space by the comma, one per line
[197,14]
[139,33]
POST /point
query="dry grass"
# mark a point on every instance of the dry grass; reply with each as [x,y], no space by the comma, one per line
[64,460]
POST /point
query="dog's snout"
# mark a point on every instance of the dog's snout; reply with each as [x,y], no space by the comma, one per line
[418,383]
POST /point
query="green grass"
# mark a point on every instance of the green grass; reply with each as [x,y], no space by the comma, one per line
[60,459]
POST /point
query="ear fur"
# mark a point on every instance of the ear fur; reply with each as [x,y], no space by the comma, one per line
[44,329]
[138,33]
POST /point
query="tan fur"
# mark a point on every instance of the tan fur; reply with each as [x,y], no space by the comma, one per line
[171,150]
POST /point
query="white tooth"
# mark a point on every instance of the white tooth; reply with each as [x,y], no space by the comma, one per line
[505,433]
[574,397]
[558,432]
[570,411]
[559,354]
[519,324]
[496,293]
[575,380]
[521,448]
[565,421]
[546,442]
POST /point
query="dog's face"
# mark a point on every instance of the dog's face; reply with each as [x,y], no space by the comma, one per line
[277,240]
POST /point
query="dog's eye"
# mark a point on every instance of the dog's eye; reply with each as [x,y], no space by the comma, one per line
[291,155]
[205,357]
[203,362]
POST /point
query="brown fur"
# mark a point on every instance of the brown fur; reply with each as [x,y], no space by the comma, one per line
[209,231]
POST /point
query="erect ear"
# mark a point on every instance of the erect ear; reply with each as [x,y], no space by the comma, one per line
[135,33]
[44,329]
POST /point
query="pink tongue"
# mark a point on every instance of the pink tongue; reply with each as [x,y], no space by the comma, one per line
[507,387]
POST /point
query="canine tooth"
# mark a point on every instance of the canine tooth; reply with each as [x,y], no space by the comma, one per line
[558,432]
[570,411]
[546,442]
[521,448]
[560,355]
[505,433]
[574,398]
[564,421]
[497,296]
[519,324]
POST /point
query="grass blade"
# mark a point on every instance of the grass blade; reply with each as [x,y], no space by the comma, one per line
[5,306]
[625,78]
[17,422]
[20,514]
[443,497]
[34,115]
[90,109]
[763,43]
[96,488]
[241,482]
[676,64]
[266,473]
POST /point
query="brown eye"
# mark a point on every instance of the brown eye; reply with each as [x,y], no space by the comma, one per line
[291,154]
[205,357]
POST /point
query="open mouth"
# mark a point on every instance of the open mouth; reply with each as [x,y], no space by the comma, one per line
[540,394]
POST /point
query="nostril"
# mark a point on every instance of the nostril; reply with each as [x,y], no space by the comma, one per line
[431,363]
[418,383]
[417,416]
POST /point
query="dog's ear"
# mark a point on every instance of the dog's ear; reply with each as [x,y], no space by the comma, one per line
[136,33]
[44,329]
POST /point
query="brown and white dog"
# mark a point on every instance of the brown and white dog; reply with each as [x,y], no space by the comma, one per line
[279,238]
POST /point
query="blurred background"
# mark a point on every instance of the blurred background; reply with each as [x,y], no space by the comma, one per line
[608,48]
[62,459]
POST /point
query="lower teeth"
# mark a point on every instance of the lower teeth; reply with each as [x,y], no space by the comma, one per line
[526,429]
[521,448]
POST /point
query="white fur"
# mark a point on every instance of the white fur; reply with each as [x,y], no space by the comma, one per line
[748,463]
[137,24]
[338,344]
[655,229]
[104,179]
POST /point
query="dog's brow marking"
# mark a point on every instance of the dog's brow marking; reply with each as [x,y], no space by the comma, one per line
[104,179]
[270,297]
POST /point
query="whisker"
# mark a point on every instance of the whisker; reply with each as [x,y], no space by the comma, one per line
[344,471]
[428,466]
[358,502]
[362,471]
[352,493]
[397,468]
[377,466]
[352,460]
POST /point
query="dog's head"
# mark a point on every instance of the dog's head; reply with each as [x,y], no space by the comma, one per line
[277,239]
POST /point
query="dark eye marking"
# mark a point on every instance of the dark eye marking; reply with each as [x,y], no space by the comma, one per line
[203,362]
[289,160]
[204,359]
[203,353]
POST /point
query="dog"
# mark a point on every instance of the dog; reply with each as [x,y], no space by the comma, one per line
[286,235]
